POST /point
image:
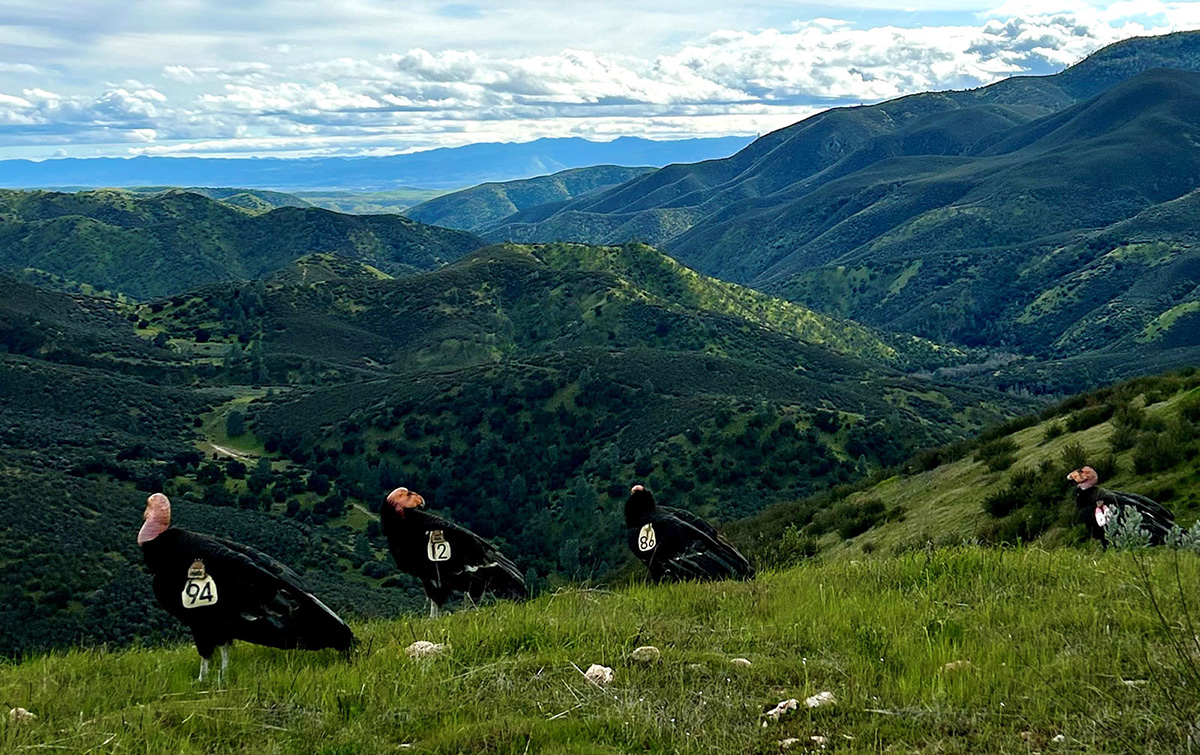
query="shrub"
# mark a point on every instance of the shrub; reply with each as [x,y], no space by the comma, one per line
[1189,407]
[1090,417]
[1053,430]
[998,454]
[1156,452]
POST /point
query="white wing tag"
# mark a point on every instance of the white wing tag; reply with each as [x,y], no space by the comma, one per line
[1102,515]
[438,549]
[646,538]
[200,589]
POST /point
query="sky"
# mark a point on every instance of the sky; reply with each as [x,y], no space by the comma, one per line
[291,78]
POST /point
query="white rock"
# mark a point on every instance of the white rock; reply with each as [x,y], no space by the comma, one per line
[785,706]
[789,742]
[819,741]
[954,665]
[599,675]
[424,649]
[1059,738]
[17,715]
[819,699]
[741,662]
[645,654]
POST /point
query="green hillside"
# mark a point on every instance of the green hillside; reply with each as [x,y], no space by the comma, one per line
[486,205]
[523,386]
[957,651]
[253,200]
[520,388]
[1023,216]
[1008,485]
[508,301]
[165,243]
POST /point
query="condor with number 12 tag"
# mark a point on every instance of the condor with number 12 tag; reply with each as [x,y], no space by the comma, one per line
[438,549]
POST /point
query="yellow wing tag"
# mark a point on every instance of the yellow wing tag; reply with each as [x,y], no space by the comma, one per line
[646,538]
[438,549]
[200,589]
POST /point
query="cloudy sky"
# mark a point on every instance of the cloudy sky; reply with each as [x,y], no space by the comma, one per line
[307,77]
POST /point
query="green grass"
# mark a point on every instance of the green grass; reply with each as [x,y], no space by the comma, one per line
[1057,642]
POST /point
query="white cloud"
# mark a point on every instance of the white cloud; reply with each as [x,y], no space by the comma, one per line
[197,91]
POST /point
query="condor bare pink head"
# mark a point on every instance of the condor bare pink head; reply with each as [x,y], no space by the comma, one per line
[1084,478]
[157,518]
[403,498]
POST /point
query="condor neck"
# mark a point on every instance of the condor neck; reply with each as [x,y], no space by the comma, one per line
[1087,496]
[157,524]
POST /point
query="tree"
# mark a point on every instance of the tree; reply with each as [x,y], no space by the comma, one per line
[235,424]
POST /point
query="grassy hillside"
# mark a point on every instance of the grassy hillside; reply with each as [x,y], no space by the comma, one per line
[1008,485]
[165,243]
[956,651]
[485,205]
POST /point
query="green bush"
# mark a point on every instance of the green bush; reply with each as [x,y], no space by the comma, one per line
[997,455]
[1090,417]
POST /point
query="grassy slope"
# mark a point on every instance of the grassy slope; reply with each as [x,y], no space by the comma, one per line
[1057,643]
[945,504]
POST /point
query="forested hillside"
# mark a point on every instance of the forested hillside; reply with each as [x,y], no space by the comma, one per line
[520,389]
[165,243]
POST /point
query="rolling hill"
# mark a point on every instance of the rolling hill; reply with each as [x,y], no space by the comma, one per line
[522,387]
[487,204]
[519,388]
[166,243]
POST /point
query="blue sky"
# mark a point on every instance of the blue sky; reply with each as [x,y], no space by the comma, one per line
[305,77]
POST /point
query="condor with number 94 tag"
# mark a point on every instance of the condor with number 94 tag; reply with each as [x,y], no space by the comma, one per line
[200,589]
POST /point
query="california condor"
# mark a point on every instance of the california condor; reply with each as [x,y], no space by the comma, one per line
[446,558]
[224,591]
[1098,507]
[678,545]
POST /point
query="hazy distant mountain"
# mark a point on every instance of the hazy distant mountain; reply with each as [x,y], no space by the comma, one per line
[449,167]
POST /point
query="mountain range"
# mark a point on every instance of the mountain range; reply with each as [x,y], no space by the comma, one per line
[1036,215]
[444,168]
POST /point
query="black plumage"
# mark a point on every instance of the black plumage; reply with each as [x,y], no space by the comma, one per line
[225,591]
[446,558]
[1098,506]
[678,545]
